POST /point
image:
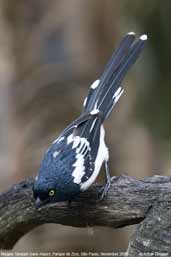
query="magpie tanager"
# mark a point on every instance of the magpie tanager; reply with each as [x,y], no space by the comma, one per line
[74,160]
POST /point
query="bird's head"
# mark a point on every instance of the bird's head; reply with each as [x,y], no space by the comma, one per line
[48,191]
[45,191]
[54,182]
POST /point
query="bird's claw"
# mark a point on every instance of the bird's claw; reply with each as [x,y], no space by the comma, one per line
[104,190]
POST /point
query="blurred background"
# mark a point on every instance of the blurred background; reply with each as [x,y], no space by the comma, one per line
[50,53]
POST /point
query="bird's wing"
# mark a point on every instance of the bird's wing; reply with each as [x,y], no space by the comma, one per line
[83,166]
[75,124]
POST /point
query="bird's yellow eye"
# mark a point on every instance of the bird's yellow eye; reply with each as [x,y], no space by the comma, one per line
[51,192]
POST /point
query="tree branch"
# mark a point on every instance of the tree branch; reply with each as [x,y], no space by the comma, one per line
[128,202]
[152,236]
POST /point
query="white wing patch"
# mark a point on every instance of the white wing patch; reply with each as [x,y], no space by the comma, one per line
[102,155]
[59,139]
[82,146]
[79,170]
[94,111]
[76,142]
[56,153]
[70,139]
[118,94]
[95,84]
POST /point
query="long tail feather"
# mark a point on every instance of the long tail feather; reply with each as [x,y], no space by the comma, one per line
[115,61]
[111,93]
[104,93]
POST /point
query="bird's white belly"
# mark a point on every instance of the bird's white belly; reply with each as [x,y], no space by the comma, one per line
[103,155]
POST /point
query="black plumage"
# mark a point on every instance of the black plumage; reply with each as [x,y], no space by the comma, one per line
[73,161]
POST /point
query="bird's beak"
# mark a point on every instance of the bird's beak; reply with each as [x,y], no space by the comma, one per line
[38,202]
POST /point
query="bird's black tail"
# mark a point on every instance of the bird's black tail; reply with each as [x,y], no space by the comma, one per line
[105,92]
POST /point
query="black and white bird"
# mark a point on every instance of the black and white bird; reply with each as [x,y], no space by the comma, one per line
[75,158]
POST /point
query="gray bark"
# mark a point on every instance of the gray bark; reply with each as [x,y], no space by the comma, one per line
[152,236]
[129,201]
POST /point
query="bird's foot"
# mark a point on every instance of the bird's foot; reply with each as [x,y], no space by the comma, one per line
[104,190]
